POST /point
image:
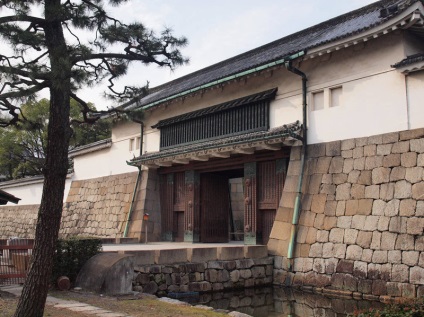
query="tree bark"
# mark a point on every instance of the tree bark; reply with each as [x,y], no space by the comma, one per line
[34,293]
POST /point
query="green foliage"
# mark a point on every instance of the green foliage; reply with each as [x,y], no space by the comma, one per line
[23,147]
[71,255]
[413,308]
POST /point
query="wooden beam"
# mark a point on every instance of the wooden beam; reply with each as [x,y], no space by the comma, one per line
[181,161]
[151,166]
[166,164]
[220,154]
[272,147]
[202,158]
[244,151]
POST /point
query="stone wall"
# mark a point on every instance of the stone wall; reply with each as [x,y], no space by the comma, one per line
[98,207]
[18,221]
[200,269]
[362,218]
[147,201]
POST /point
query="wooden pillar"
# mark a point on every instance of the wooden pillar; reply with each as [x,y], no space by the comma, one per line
[250,203]
[167,206]
[192,214]
[281,166]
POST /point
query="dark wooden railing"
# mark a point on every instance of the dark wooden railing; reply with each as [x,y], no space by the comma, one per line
[245,119]
[15,255]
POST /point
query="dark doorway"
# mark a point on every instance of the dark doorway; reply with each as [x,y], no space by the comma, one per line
[214,208]
[179,226]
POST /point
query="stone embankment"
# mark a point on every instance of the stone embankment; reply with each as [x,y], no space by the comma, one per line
[202,269]
[94,207]
[362,218]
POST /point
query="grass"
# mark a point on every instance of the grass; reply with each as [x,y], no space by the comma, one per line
[134,306]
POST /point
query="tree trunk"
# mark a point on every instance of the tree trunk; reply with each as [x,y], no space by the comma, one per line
[33,298]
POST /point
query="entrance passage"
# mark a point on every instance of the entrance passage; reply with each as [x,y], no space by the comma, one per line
[214,208]
[216,203]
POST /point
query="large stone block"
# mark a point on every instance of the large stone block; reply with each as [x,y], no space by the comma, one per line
[359,163]
[405,242]
[343,191]
[403,189]
[373,162]
[376,240]
[400,147]
[394,256]
[379,257]
[397,173]
[417,275]
[414,174]
[407,207]
[333,148]
[336,165]
[348,144]
[418,191]
[372,191]
[360,269]
[415,225]
[371,223]
[370,150]
[391,160]
[255,251]
[411,134]
[410,257]
[364,239]
[344,222]
[398,224]
[417,145]
[380,175]
[336,235]
[387,191]
[318,203]
[350,236]
[409,159]
[203,254]
[339,178]
[358,222]
[171,256]
[354,252]
[339,250]
[392,208]
[388,240]
[230,253]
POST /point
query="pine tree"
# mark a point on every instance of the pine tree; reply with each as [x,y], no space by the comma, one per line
[44,57]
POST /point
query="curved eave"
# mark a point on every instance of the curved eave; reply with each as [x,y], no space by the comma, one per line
[412,16]
[93,147]
[247,144]
[414,67]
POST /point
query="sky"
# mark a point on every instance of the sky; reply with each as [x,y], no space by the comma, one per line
[217,30]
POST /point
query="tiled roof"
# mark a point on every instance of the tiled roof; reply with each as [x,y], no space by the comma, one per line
[329,31]
[410,60]
[90,147]
[289,130]
[6,197]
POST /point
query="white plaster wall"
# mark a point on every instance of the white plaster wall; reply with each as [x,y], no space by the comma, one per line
[415,82]
[105,162]
[30,194]
[369,106]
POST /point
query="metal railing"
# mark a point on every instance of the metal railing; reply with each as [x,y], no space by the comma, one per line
[15,255]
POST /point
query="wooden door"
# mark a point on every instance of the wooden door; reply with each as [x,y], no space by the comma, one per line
[179,226]
[271,175]
[214,209]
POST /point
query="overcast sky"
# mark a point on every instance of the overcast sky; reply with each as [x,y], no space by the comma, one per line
[218,29]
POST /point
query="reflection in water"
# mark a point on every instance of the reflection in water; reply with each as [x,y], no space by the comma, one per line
[281,302]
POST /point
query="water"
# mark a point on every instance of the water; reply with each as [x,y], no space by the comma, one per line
[281,302]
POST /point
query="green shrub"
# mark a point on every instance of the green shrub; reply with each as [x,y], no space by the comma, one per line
[71,255]
[413,308]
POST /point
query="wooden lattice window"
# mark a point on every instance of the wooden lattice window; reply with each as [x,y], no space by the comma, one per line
[240,116]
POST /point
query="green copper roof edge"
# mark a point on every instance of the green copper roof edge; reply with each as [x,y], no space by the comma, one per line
[225,79]
[283,134]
